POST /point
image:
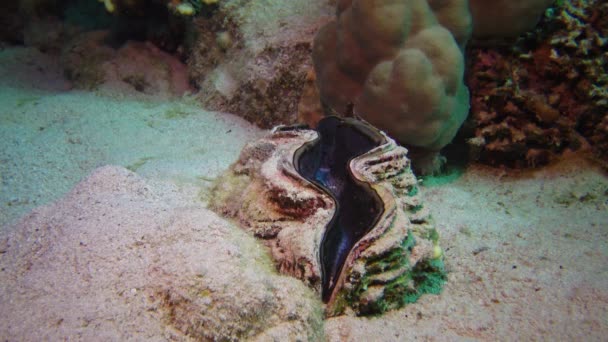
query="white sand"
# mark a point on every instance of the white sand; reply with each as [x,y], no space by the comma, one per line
[120,259]
[52,138]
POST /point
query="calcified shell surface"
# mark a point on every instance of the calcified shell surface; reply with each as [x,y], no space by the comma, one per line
[398,260]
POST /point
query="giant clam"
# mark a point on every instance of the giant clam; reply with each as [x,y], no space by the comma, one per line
[339,208]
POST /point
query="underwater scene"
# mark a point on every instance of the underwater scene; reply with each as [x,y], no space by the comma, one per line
[291,170]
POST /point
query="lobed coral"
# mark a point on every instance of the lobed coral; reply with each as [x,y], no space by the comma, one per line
[534,99]
[401,64]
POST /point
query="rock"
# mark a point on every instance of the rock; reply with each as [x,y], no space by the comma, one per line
[136,68]
[261,73]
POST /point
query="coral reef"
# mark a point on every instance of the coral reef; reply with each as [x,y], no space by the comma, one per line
[34,23]
[11,23]
[136,68]
[391,262]
[505,18]
[401,64]
[534,99]
[48,34]
[179,7]
[248,57]
[47,24]
[193,7]
[151,21]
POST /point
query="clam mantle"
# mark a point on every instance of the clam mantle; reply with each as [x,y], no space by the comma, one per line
[280,191]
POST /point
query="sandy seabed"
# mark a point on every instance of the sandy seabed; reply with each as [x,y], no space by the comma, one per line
[129,251]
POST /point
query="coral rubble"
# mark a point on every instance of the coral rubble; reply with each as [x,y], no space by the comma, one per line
[536,98]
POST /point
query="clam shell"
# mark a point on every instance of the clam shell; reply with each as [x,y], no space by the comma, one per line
[392,264]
